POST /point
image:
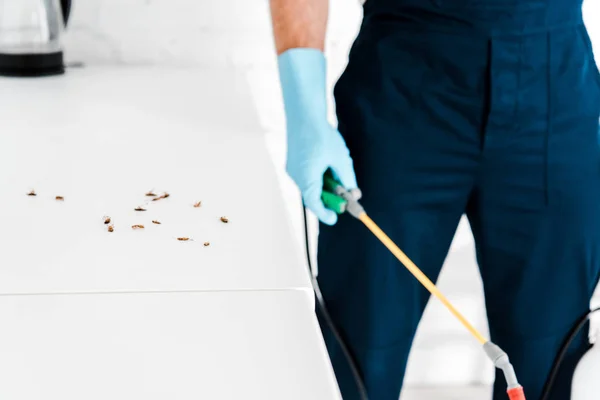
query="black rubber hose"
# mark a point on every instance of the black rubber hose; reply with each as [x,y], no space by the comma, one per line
[329,321]
[581,322]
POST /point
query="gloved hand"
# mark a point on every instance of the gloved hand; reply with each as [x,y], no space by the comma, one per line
[313,144]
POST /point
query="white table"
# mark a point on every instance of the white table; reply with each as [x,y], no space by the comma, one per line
[172,346]
[137,314]
[102,138]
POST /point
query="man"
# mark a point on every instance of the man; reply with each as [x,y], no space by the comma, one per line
[483,107]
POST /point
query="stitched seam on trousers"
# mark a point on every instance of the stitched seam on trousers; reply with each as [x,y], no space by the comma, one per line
[549,121]
[488,98]
[519,71]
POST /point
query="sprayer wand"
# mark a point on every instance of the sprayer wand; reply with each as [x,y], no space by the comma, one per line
[340,200]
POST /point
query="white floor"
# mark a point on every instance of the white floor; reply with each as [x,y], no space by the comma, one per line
[451,393]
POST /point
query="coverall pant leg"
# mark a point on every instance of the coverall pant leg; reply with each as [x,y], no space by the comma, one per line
[504,129]
[535,211]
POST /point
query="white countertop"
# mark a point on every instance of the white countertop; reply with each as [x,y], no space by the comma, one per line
[137,314]
[175,346]
[103,137]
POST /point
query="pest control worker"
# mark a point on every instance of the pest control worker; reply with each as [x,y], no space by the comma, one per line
[483,107]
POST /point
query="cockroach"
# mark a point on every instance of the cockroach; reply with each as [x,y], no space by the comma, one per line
[156,222]
[137,227]
[198,204]
[60,198]
[184,239]
[32,193]
[111,228]
[151,194]
[206,244]
[106,220]
[162,196]
[140,208]
[224,220]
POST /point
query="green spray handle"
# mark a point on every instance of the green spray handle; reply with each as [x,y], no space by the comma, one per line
[330,195]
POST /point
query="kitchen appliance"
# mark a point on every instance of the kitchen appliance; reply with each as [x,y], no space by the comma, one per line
[30,36]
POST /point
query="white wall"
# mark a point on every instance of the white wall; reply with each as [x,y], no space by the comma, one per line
[209,34]
[236,34]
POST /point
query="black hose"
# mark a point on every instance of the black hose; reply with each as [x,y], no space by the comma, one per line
[329,321]
[581,322]
[547,389]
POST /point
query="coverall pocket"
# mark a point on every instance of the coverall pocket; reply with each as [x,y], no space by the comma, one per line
[574,79]
[593,63]
[382,85]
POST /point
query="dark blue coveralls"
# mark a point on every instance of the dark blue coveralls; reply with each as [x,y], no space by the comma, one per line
[483,107]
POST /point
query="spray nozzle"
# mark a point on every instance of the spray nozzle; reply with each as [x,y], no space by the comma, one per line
[502,362]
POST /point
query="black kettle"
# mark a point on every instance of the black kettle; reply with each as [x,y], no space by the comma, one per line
[31,37]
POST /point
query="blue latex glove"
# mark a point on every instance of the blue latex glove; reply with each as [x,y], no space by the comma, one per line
[313,144]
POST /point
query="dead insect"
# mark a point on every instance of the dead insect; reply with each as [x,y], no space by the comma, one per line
[156,222]
[60,198]
[137,227]
[151,194]
[224,220]
[32,193]
[111,228]
[206,244]
[184,239]
[106,220]
[198,204]
[140,208]
[162,196]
